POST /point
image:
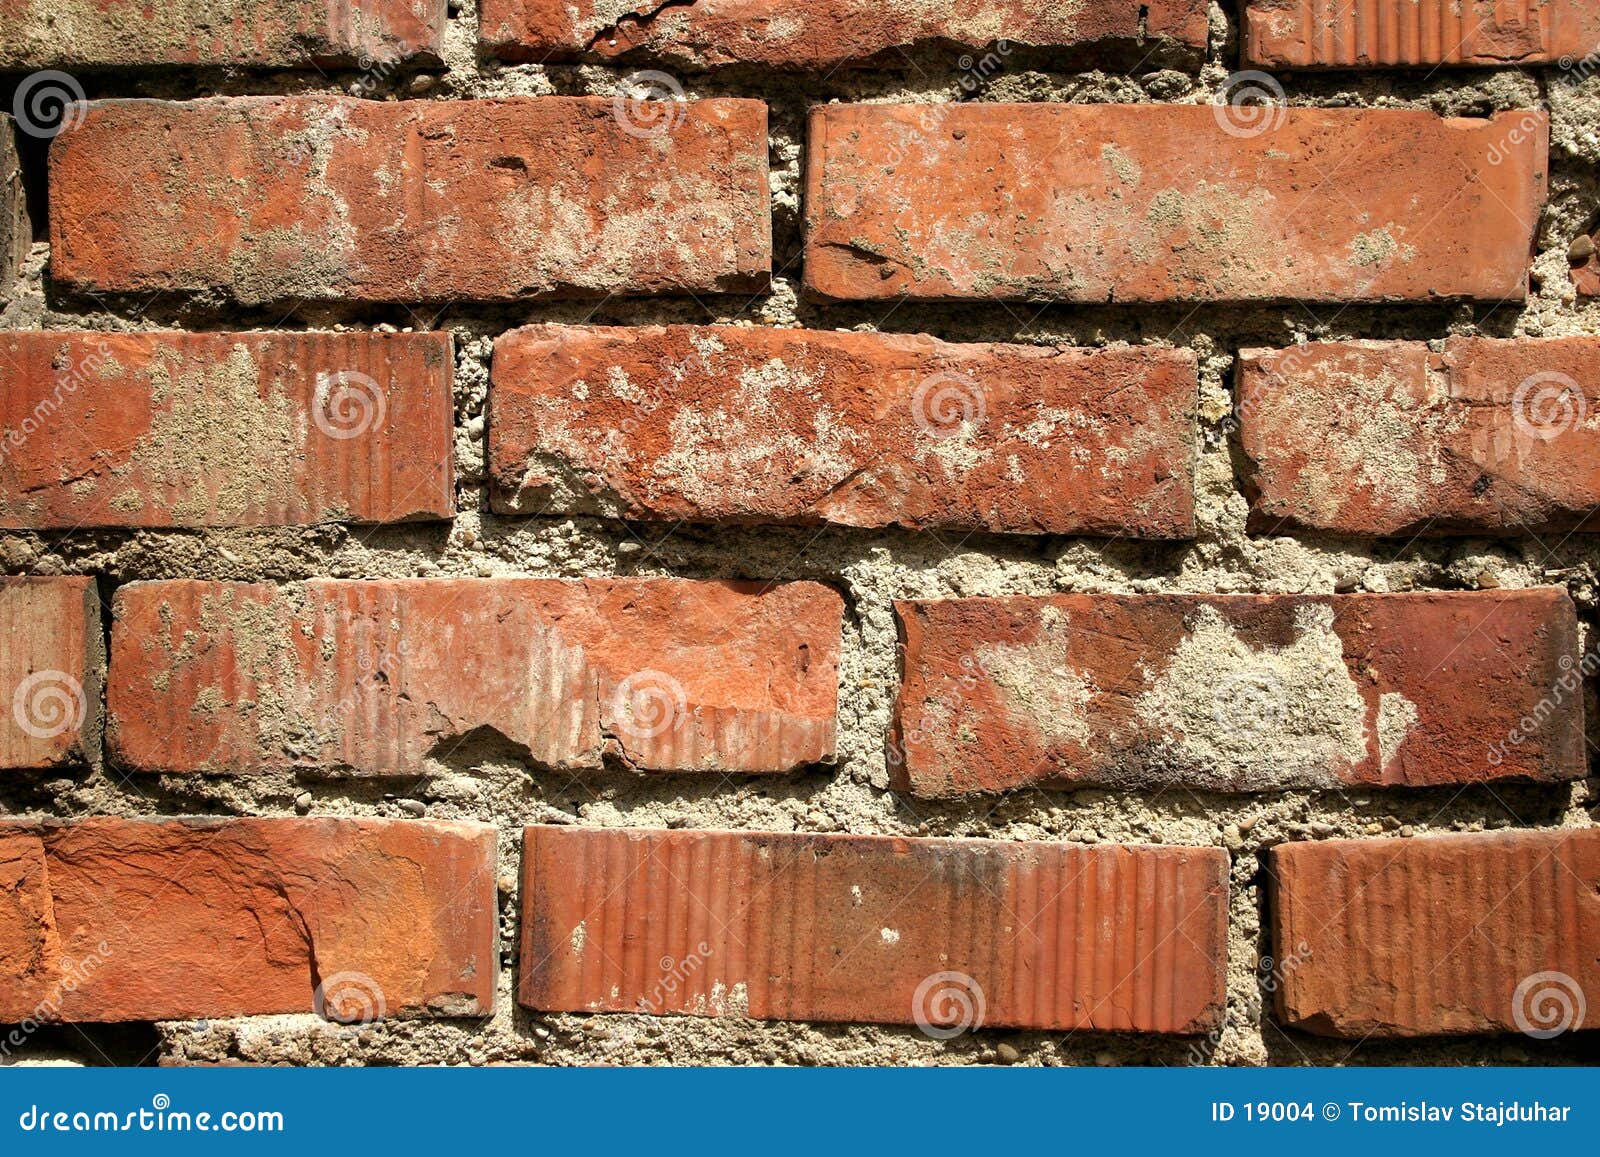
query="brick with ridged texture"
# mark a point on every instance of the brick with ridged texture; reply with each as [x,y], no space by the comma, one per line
[1127,203]
[146,919]
[1478,933]
[1378,34]
[733,424]
[874,929]
[106,34]
[52,668]
[333,199]
[1238,692]
[374,678]
[243,429]
[16,233]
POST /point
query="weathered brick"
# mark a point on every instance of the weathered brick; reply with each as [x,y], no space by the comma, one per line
[1099,203]
[52,671]
[375,677]
[1417,33]
[1390,438]
[760,425]
[244,429]
[1238,692]
[947,934]
[327,198]
[1479,933]
[825,33]
[117,920]
[16,231]
[76,34]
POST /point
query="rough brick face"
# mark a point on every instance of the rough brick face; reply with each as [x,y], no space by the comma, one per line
[942,933]
[118,920]
[753,425]
[1417,33]
[325,198]
[1238,693]
[74,34]
[1390,438]
[171,429]
[52,669]
[373,677]
[823,34]
[1481,933]
[1126,203]
[16,233]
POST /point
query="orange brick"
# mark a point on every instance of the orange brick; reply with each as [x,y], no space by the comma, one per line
[754,425]
[949,934]
[52,668]
[118,920]
[1481,933]
[247,429]
[1109,203]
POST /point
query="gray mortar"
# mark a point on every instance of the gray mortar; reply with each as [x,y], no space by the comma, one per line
[493,784]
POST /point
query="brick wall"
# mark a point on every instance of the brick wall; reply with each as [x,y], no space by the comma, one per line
[753,531]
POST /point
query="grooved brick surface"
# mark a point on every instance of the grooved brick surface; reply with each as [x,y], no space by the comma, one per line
[1120,203]
[1417,33]
[16,233]
[173,429]
[119,920]
[874,929]
[1390,438]
[371,678]
[52,669]
[328,198]
[264,33]
[823,33]
[753,425]
[1238,692]
[1480,933]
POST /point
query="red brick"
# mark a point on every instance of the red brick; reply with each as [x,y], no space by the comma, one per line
[327,198]
[874,929]
[1489,932]
[757,425]
[373,678]
[117,920]
[1238,693]
[1417,33]
[52,670]
[246,429]
[1101,203]
[1389,438]
[74,34]
[824,33]
[16,233]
